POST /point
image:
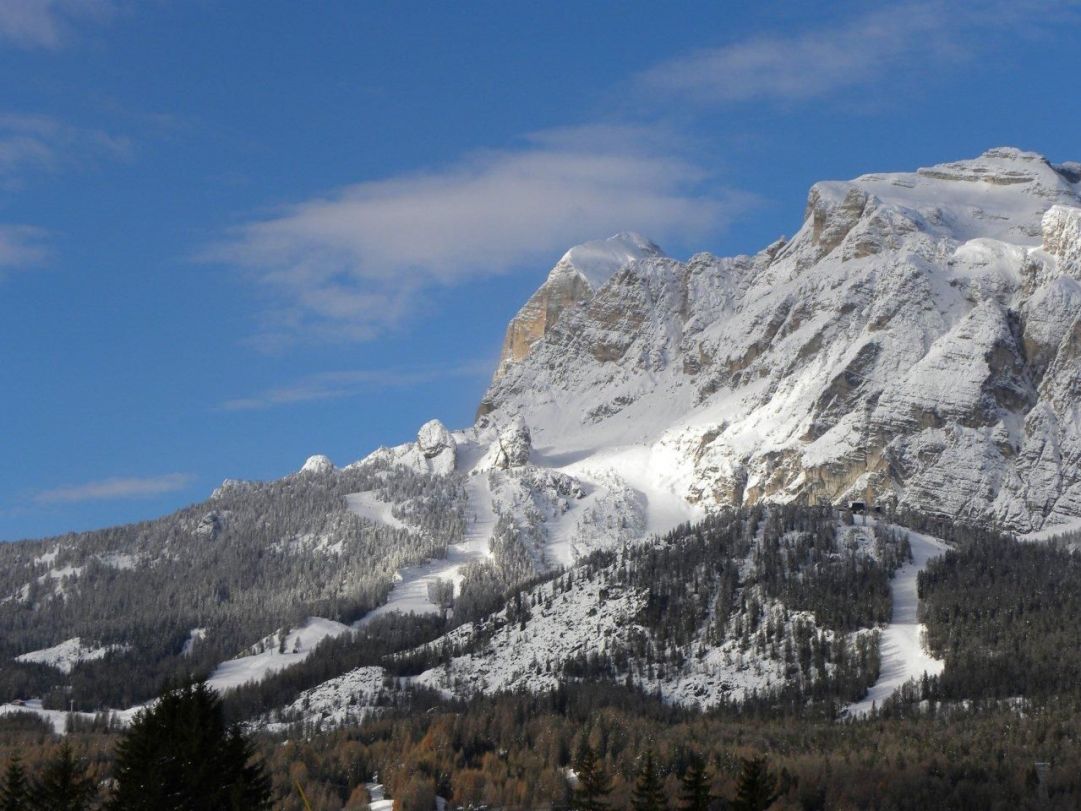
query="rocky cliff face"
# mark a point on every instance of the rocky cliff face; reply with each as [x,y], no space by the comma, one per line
[917,342]
[573,281]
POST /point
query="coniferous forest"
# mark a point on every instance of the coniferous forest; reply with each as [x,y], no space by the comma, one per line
[1002,614]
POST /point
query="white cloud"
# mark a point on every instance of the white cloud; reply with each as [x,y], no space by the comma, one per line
[48,23]
[888,42]
[37,142]
[30,143]
[357,261]
[21,246]
[115,488]
[806,64]
[335,385]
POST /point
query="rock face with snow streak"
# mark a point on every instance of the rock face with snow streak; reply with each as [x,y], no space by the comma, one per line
[582,270]
[916,342]
[513,445]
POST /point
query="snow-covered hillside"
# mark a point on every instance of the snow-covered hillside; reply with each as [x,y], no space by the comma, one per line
[600,623]
[67,654]
[275,652]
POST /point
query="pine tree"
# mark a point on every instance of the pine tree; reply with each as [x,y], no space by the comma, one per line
[694,786]
[593,784]
[180,754]
[757,788]
[648,792]
[15,791]
[64,786]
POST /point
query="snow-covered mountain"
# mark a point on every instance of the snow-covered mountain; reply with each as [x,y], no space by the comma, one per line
[917,342]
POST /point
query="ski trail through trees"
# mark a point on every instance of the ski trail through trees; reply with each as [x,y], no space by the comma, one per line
[410,592]
[901,645]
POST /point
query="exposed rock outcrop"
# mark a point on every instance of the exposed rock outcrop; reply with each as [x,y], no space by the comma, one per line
[513,446]
[437,446]
[582,271]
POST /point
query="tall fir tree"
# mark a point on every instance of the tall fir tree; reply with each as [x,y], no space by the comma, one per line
[757,788]
[64,784]
[15,790]
[593,784]
[180,755]
[648,791]
[694,786]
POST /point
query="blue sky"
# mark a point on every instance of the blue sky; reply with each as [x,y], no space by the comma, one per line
[233,234]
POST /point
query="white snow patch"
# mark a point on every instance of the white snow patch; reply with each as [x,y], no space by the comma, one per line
[317,464]
[345,699]
[59,718]
[599,259]
[378,797]
[19,596]
[67,654]
[901,644]
[370,508]
[1053,531]
[264,657]
[196,635]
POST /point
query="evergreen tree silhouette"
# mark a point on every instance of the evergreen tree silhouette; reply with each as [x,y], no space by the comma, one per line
[593,784]
[648,792]
[15,790]
[757,788]
[180,755]
[694,786]
[64,784]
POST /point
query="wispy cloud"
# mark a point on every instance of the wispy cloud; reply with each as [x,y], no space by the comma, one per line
[49,24]
[21,246]
[888,41]
[115,488]
[41,143]
[352,263]
[337,385]
[37,143]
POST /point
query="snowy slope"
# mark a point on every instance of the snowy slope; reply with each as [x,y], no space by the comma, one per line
[917,342]
[59,718]
[901,644]
[67,654]
[369,507]
[913,343]
[544,638]
[270,655]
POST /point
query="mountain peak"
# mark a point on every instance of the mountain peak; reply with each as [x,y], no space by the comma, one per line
[317,464]
[598,259]
[913,344]
[576,277]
